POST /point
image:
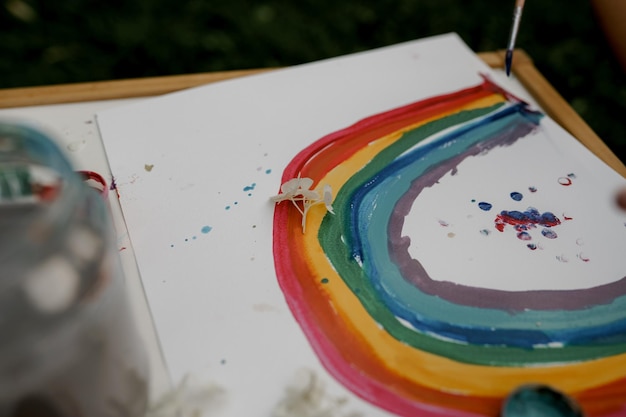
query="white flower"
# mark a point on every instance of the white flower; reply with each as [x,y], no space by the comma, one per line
[298,191]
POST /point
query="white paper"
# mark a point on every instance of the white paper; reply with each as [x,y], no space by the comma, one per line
[195,170]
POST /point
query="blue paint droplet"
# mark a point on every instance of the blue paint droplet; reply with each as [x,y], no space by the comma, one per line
[250,187]
[485,232]
[550,234]
[516,196]
[206,229]
[194,237]
[484,206]
[227,207]
[531,246]
[172,245]
[186,240]
[249,194]
[268,171]
[324,281]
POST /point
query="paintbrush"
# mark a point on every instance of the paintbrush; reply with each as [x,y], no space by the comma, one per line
[517,17]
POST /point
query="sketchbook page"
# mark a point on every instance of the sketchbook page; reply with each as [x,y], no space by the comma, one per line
[194,171]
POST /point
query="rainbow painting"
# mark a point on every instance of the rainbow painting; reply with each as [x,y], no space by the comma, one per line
[437,303]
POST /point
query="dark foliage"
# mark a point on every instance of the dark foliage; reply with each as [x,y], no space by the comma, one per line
[44,42]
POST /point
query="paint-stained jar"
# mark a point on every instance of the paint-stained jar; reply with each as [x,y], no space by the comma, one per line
[68,343]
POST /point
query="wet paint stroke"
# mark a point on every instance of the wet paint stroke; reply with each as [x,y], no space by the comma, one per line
[389,332]
[524,222]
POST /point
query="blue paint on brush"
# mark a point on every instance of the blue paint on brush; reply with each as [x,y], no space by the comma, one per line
[508,60]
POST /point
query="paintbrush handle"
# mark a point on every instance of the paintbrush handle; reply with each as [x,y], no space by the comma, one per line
[517,17]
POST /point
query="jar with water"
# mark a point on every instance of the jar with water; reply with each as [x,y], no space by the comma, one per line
[68,343]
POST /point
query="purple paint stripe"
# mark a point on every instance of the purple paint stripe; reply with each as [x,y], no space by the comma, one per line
[413,271]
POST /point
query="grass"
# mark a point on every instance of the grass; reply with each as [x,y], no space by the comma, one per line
[43,42]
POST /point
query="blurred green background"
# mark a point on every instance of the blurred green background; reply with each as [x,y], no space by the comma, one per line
[46,42]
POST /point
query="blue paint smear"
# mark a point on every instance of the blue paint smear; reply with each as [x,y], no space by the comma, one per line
[484,206]
[550,234]
[250,187]
[516,196]
[206,229]
[532,216]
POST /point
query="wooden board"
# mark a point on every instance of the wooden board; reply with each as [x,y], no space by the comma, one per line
[523,68]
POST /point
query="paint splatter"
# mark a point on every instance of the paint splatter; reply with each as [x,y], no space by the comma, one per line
[148,167]
[204,230]
[530,218]
[484,206]
[548,233]
[516,196]
[532,189]
[565,181]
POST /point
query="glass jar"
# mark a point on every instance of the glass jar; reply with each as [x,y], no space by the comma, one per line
[68,343]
